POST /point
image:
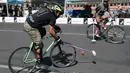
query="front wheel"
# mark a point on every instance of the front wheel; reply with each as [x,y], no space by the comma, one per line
[62,55]
[115,34]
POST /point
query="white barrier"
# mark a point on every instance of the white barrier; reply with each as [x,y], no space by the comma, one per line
[118,21]
[9,19]
[77,20]
[21,19]
[126,21]
[91,20]
[62,21]
[1,19]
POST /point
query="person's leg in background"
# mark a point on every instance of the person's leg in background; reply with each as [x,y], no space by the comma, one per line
[98,30]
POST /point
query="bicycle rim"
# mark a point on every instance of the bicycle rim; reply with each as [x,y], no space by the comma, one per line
[115,34]
[63,58]
[17,60]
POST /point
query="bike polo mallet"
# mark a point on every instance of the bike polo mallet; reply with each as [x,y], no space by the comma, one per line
[93,39]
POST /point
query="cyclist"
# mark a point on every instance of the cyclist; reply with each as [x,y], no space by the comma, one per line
[102,13]
[34,26]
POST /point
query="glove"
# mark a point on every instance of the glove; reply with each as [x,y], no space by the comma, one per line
[57,28]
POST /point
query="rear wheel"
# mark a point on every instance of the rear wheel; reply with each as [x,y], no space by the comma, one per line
[18,60]
[62,55]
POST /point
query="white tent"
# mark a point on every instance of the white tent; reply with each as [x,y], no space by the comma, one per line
[3,1]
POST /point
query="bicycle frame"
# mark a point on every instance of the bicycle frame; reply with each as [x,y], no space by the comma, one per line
[111,25]
[26,60]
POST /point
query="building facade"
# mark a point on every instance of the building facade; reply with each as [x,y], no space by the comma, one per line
[113,4]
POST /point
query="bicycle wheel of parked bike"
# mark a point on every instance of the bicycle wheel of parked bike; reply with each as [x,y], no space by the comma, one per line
[115,34]
[89,30]
[21,60]
[62,55]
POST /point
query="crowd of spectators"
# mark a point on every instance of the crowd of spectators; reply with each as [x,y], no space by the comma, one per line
[122,13]
[13,11]
[3,10]
[87,12]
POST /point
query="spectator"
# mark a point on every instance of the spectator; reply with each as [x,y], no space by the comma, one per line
[13,9]
[10,10]
[1,9]
[16,11]
[30,10]
[4,11]
[87,12]
[20,11]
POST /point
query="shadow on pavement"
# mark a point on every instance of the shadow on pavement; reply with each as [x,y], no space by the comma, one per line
[103,38]
[48,63]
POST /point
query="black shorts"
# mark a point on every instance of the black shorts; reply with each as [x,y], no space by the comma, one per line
[42,31]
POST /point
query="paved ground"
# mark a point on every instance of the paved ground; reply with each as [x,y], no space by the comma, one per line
[111,58]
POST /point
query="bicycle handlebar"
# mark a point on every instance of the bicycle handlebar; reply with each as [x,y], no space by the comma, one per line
[59,33]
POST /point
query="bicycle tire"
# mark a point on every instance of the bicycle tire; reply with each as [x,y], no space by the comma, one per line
[89,31]
[16,55]
[110,39]
[64,56]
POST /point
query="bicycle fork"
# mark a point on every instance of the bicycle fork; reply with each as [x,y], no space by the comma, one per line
[60,51]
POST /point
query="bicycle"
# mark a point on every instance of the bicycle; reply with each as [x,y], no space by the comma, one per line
[28,59]
[113,33]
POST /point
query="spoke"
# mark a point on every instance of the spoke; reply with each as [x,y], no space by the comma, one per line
[111,31]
